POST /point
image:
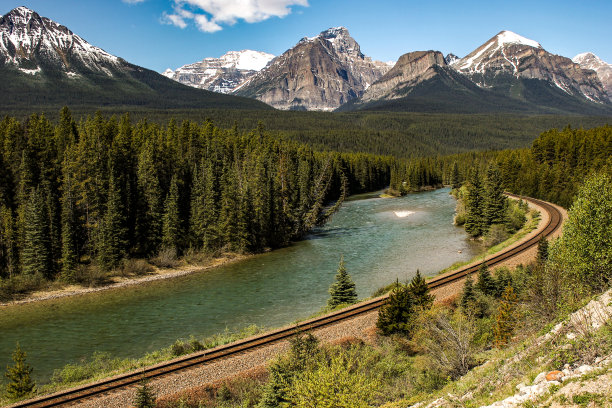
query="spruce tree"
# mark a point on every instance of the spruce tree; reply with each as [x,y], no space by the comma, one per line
[455,180]
[36,255]
[474,205]
[495,202]
[9,256]
[506,318]
[397,315]
[112,246]
[542,255]
[145,396]
[485,283]
[503,279]
[69,232]
[19,376]
[468,297]
[342,291]
[171,228]
[420,291]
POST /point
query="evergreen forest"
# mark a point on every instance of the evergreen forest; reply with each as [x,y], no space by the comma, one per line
[101,190]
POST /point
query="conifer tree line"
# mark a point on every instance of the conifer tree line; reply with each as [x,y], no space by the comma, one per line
[102,190]
[552,169]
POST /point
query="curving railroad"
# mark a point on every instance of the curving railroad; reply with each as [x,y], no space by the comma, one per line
[182,363]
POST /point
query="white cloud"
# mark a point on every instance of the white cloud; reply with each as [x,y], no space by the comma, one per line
[210,15]
[133,1]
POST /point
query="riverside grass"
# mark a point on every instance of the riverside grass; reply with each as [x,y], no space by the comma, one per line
[104,365]
[533,219]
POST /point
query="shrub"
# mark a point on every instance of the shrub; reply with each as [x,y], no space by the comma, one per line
[337,381]
[136,267]
[496,235]
[90,275]
[166,258]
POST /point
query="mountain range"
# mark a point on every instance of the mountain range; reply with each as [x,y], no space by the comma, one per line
[43,63]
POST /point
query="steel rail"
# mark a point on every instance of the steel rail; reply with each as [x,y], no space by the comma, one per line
[241,346]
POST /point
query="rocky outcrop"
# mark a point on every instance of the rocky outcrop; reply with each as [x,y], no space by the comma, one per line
[410,70]
[223,74]
[591,61]
[319,73]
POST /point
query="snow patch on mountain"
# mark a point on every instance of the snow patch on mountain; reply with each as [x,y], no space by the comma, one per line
[508,37]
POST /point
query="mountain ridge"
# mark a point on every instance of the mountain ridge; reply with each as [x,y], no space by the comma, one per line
[43,63]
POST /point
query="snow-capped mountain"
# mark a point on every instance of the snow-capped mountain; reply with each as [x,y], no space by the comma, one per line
[32,43]
[43,63]
[222,74]
[450,58]
[318,73]
[591,61]
[508,73]
[510,55]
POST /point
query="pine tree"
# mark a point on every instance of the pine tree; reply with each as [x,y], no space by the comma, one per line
[420,291]
[485,284]
[495,202]
[542,255]
[36,256]
[506,318]
[342,291]
[503,279]
[19,375]
[474,205]
[468,297]
[145,396]
[70,252]
[112,246]
[455,180]
[171,228]
[397,315]
[9,256]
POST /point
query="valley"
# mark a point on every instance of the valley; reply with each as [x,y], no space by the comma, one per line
[269,169]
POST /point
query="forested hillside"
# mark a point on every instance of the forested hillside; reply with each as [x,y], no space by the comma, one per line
[93,193]
[385,133]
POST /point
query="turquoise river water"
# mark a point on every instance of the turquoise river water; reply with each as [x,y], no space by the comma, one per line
[381,240]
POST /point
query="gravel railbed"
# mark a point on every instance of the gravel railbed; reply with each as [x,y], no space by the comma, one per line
[357,327]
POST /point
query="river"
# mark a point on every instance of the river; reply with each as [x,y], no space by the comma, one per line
[381,240]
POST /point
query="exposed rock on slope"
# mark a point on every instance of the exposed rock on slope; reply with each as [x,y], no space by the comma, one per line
[508,55]
[32,43]
[319,73]
[410,70]
[591,61]
[222,74]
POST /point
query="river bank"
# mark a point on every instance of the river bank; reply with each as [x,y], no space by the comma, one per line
[118,281]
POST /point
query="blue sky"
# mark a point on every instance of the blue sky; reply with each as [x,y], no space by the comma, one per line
[160,34]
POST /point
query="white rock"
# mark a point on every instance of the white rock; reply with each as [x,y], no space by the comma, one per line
[540,378]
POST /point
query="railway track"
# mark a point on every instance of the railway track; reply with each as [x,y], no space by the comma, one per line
[125,380]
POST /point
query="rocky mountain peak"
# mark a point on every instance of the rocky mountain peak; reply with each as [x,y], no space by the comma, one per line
[31,42]
[451,58]
[590,61]
[508,37]
[318,73]
[223,74]
[410,70]
[509,54]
